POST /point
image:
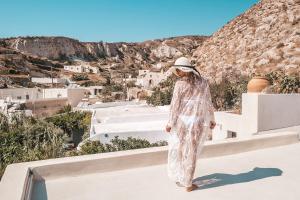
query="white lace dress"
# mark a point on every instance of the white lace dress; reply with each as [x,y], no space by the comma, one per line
[191,111]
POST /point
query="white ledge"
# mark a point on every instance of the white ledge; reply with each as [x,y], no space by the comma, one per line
[17,176]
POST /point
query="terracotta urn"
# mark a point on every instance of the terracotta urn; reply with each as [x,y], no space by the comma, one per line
[257,84]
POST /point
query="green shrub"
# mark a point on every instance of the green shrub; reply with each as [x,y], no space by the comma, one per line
[160,98]
[80,77]
[73,124]
[162,95]
[113,87]
[283,82]
[116,144]
[65,109]
[9,71]
[90,83]
[130,84]
[227,95]
[27,139]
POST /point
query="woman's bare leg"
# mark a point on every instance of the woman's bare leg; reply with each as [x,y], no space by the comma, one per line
[193,158]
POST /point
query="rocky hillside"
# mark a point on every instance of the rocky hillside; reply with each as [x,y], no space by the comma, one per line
[264,38]
[16,67]
[113,59]
[67,49]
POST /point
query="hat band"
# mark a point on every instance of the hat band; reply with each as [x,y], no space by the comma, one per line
[187,66]
[192,67]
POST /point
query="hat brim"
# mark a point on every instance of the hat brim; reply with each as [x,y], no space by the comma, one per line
[184,69]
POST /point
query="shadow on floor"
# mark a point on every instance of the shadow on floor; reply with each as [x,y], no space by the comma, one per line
[220,179]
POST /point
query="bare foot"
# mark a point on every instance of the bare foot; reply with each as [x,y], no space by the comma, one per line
[191,188]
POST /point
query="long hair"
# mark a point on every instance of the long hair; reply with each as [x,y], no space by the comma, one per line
[192,78]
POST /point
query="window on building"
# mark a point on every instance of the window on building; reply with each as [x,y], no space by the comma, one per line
[19,97]
[27,96]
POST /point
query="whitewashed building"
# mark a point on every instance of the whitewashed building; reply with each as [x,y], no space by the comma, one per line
[21,93]
[125,119]
[94,90]
[42,102]
[129,79]
[260,113]
[149,79]
[82,68]
[47,80]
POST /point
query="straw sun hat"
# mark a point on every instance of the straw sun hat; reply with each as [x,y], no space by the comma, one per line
[184,65]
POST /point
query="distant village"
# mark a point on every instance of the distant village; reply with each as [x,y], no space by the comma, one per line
[40,101]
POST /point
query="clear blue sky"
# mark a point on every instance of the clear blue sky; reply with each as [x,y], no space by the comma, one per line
[117,20]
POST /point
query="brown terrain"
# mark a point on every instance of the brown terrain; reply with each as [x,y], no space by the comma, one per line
[35,56]
[263,39]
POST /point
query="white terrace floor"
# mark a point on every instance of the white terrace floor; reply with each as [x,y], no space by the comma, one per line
[275,177]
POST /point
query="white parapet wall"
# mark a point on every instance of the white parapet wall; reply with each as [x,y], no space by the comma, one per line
[21,93]
[260,112]
[46,80]
[278,111]
[20,180]
[128,119]
[55,93]
[226,121]
[74,95]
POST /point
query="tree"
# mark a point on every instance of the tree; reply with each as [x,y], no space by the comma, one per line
[227,94]
[26,139]
[73,124]
[79,77]
[162,95]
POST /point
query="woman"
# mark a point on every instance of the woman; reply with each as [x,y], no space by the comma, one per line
[190,122]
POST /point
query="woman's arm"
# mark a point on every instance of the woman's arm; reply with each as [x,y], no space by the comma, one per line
[210,119]
[174,106]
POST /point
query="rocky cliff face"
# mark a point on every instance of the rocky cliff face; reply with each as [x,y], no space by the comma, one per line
[264,38]
[66,49]
[55,48]
[16,67]
[113,59]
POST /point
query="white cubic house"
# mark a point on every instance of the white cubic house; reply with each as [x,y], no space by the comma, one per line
[260,113]
[149,79]
[41,102]
[47,80]
[82,68]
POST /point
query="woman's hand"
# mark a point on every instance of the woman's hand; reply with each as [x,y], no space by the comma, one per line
[212,124]
[168,128]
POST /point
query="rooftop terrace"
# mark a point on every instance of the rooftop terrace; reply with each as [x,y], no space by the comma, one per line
[261,174]
[262,166]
